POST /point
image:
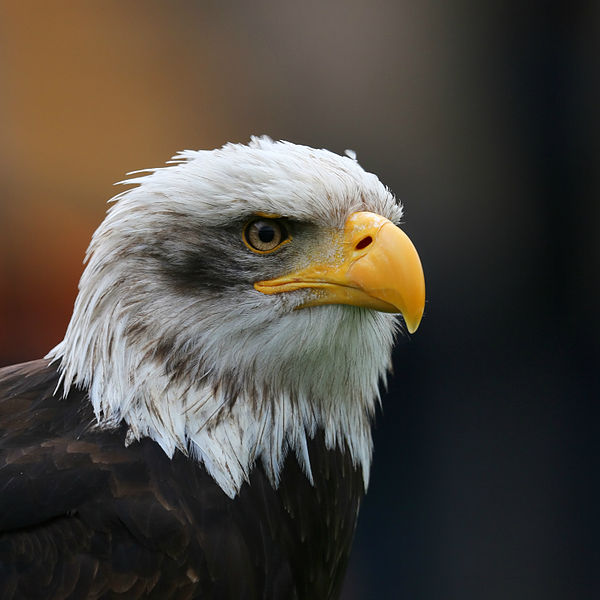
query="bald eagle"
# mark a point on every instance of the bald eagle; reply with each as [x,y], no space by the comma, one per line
[204,428]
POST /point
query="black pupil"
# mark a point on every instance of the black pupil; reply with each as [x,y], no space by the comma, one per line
[266,233]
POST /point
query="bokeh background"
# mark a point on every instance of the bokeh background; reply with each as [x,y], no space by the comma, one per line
[483,118]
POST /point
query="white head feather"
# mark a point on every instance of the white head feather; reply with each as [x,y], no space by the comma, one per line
[228,376]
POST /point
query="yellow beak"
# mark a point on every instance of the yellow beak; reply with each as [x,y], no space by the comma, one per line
[374,265]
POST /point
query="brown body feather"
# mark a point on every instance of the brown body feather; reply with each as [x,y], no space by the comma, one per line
[83,516]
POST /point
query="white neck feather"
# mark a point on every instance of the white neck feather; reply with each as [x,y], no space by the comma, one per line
[280,398]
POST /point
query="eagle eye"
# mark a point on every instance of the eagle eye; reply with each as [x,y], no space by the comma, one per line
[265,235]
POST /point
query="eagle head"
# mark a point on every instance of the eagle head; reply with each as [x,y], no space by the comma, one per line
[239,300]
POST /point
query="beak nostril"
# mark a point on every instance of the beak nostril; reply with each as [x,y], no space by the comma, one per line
[364,242]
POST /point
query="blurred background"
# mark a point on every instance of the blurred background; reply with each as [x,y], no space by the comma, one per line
[483,119]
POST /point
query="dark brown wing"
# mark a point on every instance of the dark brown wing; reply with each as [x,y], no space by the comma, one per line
[81,516]
[67,496]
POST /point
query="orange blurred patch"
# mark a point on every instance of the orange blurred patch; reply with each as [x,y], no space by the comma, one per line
[43,249]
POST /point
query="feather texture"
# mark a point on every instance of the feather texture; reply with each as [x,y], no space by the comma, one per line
[83,516]
[192,437]
[214,368]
